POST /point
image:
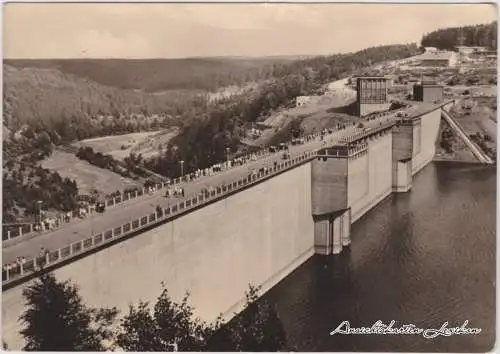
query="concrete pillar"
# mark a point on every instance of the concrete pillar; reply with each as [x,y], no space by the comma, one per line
[8,234]
[136,193]
[322,235]
[402,176]
[20,231]
[31,228]
[346,228]
[336,235]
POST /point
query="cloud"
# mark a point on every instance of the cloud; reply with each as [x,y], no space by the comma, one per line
[132,30]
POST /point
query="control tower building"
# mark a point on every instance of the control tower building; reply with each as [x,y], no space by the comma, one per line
[372,95]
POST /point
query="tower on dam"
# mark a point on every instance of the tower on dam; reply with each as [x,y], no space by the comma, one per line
[347,180]
[372,95]
[365,167]
[407,136]
[427,91]
[279,216]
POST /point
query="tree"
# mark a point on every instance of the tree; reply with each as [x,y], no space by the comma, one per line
[56,318]
[169,327]
[257,328]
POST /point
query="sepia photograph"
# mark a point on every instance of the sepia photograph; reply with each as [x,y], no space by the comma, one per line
[249,177]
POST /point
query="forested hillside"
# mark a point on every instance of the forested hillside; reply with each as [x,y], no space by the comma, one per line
[48,96]
[153,75]
[78,99]
[43,107]
[447,38]
[203,142]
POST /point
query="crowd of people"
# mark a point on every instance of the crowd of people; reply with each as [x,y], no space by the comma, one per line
[175,192]
[171,191]
[17,267]
[209,171]
[51,223]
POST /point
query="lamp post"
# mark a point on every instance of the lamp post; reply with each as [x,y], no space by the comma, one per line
[182,168]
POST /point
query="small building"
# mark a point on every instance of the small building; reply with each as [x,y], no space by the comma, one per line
[438,59]
[430,49]
[428,92]
[466,50]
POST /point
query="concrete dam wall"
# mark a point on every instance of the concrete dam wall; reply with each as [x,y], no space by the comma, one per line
[255,236]
[425,138]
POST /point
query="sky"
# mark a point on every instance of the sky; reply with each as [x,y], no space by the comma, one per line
[129,30]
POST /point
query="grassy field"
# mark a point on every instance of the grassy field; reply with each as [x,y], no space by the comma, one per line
[120,146]
[158,142]
[87,176]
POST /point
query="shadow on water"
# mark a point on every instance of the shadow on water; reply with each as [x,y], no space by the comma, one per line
[422,258]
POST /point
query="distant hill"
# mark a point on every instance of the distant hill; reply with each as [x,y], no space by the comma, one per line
[71,106]
[154,75]
[205,141]
[79,99]
[484,35]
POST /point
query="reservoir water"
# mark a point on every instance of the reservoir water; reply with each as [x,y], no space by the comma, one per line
[425,257]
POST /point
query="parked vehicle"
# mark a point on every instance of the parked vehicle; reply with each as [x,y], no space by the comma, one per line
[100,207]
[283,146]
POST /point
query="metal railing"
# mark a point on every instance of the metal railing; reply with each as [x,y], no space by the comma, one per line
[51,258]
[10,233]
